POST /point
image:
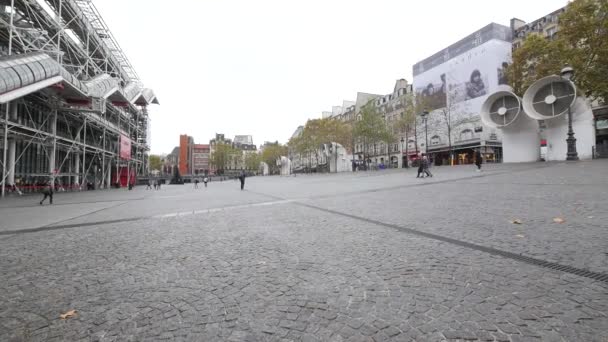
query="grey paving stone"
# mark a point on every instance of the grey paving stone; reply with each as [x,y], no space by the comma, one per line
[283,271]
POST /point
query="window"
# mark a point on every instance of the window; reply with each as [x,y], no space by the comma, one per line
[478,129]
[466,134]
[435,140]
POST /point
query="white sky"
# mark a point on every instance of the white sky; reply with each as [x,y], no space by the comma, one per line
[263,67]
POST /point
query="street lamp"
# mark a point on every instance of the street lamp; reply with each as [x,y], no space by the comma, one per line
[425,115]
[403,159]
[567,73]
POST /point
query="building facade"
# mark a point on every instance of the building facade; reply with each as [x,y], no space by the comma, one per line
[454,83]
[548,27]
[200,159]
[77,114]
[186,144]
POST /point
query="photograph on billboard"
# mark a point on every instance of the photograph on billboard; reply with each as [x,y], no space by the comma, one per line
[465,80]
[125,147]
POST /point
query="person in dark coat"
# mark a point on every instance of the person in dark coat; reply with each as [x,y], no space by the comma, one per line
[426,165]
[423,167]
[420,168]
[478,160]
[48,192]
[242,179]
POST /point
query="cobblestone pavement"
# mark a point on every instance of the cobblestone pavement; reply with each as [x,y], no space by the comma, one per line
[264,264]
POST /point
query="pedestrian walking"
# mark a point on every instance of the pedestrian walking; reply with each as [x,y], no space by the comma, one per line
[242,179]
[159,183]
[478,160]
[426,163]
[196,183]
[149,187]
[48,192]
[205,180]
[423,167]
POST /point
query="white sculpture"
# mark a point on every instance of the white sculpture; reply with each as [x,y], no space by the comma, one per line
[285,165]
[264,169]
[549,99]
[520,136]
[338,159]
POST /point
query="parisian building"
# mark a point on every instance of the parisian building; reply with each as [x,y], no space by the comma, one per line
[548,27]
[453,83]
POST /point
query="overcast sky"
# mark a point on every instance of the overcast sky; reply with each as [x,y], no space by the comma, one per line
[263,67]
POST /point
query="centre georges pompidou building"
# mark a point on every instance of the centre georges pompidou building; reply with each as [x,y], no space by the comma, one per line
[73,111]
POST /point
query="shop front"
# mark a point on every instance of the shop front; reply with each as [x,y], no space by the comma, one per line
[465,154]
[601,132]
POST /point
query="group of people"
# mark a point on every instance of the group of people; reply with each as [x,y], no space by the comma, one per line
[205,181]
[423,167]
[153,183]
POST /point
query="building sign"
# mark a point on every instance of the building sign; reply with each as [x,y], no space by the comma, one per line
[125,147]
[489,32]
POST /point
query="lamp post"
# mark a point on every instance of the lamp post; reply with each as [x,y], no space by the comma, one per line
[567,73]
[403,159]
[425,115]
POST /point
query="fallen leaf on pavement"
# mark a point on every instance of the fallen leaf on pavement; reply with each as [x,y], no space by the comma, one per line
[558,220]
[68,314]
[516,221]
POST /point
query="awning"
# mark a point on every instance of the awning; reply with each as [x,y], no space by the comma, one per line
[27,73]
[24,74]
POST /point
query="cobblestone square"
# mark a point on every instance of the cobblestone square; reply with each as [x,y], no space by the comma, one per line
[368,256]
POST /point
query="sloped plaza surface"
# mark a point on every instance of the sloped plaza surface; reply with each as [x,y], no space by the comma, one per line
[368,256]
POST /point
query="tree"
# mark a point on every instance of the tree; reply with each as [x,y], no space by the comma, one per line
[370,127]
[155,162]
[583,29]
[412,106]
[537,57]
[317,132]
[222,157]
[252,161]
[582,41]
[273,152]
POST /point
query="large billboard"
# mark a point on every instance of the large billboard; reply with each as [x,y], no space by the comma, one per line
[462,75]
[466,80]
[125,147]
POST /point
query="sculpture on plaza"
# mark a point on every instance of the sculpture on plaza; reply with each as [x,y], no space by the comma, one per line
[520,135]
[285,164]
[553,99]
[338,159]
[547,101]
[264,169]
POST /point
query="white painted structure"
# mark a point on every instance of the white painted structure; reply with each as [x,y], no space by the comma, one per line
[338,158]
[285,165]
[520,133]
[264,169]
[584,132]
[548,99]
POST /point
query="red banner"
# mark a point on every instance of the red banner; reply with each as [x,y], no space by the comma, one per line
[125,147]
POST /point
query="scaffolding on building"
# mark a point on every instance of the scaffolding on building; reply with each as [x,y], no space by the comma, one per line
[72,107]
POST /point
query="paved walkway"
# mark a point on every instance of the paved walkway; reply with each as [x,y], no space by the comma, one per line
[377,256]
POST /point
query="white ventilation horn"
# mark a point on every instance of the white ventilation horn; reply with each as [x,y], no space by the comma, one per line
[549,98]
[520,138]
[500,109]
